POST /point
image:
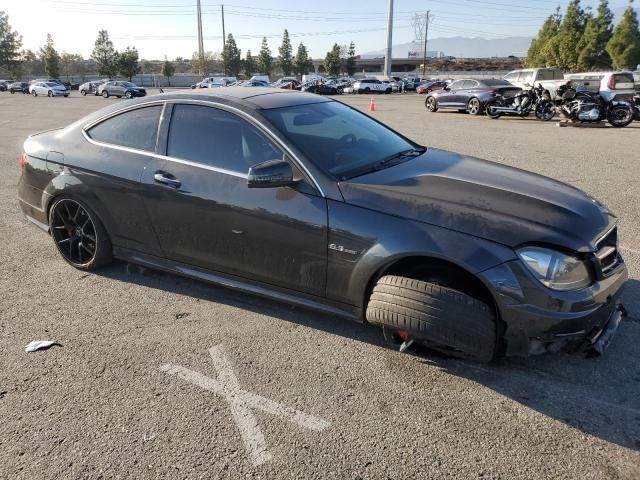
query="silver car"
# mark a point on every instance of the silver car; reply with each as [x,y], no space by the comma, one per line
[49,89]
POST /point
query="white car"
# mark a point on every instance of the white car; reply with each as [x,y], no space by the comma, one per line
[49,89]
[610,85]
[371,85]
[549,78]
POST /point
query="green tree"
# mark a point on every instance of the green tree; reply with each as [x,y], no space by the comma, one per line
[104,55]
[32,66]
[350,64]
[285,59]
[549,29]
[50,57]
[249,65]
[168,70]
[302,63]
[569,36]
[265,62]
[597,33]
[10,43]
[72,64]
[624,46]
[128,62]
[231,57]
[333,61]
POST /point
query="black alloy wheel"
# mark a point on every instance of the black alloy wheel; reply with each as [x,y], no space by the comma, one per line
[78,234]
[620,116]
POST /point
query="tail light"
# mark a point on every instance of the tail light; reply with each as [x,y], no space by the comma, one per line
[22,161]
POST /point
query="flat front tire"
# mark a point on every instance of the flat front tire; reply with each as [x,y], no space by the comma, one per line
[442,318]
[79,235]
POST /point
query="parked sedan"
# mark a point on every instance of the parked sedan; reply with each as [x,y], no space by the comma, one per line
[22,87]
[321,89]
[4,85]
[309,201]
[468,95]
[91,88]
[121,89]
[49,89]
[428,87]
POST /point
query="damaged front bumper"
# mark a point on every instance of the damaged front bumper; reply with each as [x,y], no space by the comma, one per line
[538,319]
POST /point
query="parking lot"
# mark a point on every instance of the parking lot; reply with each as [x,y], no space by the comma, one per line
[159,376]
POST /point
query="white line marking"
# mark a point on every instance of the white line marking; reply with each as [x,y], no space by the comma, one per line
[242,402]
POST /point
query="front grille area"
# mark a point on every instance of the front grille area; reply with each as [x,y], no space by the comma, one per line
[607,256]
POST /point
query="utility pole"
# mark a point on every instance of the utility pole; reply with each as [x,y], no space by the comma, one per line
[387,58]
[224,37]
[426,32]
[200,42]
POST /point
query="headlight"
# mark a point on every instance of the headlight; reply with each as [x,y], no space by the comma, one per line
[554,269]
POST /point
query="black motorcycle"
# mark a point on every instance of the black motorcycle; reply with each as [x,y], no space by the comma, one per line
[522,104]
[636,107]
[580,105]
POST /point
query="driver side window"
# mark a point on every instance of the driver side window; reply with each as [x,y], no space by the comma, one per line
[217,138]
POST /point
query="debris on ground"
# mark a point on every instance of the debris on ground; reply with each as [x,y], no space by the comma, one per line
[40,345]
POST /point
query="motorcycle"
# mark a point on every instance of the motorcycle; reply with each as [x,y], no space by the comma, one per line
[636,107]
[521,105]
[584,106]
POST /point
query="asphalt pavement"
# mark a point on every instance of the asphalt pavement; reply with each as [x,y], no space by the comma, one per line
[158,376]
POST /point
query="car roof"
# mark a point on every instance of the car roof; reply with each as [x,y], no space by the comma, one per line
[253,97]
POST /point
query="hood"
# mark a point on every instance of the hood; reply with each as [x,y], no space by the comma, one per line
[485,199]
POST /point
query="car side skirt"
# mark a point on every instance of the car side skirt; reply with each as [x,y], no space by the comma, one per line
[241,284]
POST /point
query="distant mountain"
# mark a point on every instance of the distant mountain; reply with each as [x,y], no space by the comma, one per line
[463,47]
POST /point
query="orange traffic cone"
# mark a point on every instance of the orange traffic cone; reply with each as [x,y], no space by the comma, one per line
[372,105]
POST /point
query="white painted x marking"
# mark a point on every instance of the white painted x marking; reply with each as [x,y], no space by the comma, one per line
[242,402]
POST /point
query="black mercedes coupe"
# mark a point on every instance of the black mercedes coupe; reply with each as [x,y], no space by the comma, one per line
[306,200]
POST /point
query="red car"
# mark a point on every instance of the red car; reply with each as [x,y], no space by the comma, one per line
[430,87]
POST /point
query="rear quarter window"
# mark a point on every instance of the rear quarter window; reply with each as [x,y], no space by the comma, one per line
[134,129]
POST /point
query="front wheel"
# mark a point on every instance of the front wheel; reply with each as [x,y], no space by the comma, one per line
[105,94]
[129,95]
[442,318]
[83,93]
[79,235]
[49,93]
[490,109]
[34,93]
[12,92]
[367,90]
[387,91]
[473,107]
[431,104]
[545,111]
[620,116]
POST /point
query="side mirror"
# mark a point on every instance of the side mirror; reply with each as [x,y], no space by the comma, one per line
[270,174]
[446,88]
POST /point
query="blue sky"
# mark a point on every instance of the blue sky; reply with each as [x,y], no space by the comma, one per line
[168,27]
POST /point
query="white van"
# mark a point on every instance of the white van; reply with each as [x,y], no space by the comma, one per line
[261,78]
[610,85]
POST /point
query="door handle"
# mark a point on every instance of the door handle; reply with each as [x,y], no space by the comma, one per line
[166,179]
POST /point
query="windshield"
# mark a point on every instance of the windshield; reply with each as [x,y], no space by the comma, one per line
[340,140]
[496,83]
[51,84]
[128,84]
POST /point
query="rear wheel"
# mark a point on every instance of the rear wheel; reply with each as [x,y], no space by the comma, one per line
[431,104]
[12,92]
[49,93]
[387,91]
[473,106]
[79,235]
[83,93]
[442,318]
[620,116]
[367,90]
[490,109]
[545,110]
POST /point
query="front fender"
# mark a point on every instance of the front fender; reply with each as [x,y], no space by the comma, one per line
[363,243]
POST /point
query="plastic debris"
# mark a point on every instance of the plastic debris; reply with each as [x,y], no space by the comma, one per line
[40,345]
[406,344]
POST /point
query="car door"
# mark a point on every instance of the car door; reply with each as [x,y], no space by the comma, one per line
[469,90]
[205,215]
[450,98]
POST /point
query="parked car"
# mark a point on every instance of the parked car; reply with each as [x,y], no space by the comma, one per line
[411,83]
[91,88]
[4,85]
[22,87]
[610,85]
[254,83]
[390,83]
[371,85]
[121,89]
[216,81]
[469,95]
[431,86]
[49,89]
[550,78]
[321,89]
[308,201]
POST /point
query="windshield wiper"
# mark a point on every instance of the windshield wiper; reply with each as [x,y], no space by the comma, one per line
[411,153]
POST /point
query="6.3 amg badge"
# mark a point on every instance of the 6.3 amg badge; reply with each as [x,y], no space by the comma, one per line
[340,248]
